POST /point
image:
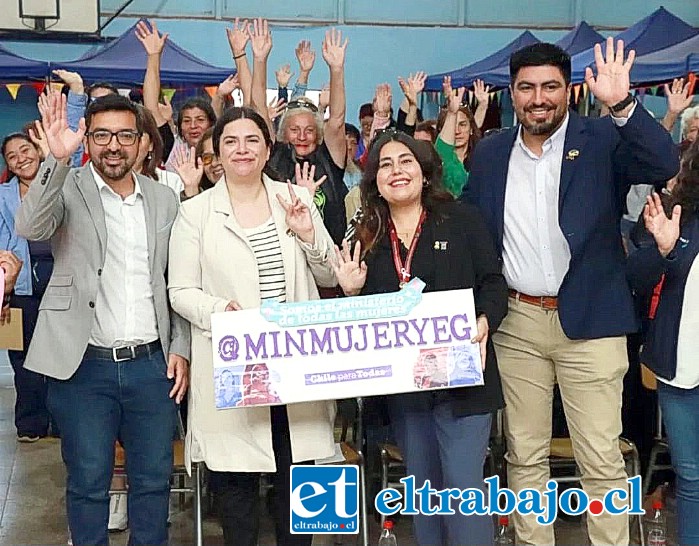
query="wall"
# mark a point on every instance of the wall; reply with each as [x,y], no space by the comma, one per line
[375,53]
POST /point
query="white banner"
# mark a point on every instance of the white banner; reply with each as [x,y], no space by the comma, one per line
[345,347]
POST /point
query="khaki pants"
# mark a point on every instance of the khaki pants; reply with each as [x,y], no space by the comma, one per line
[533,354]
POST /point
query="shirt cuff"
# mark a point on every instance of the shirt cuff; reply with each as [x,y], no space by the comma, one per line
[620,122]
[77,100]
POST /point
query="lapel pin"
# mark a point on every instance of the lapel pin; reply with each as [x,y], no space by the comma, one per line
[440,245]
[572,154]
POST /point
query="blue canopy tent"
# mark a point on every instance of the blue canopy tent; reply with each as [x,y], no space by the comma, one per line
[581,38]
[660,30]
[123,61]
[483,68]
[17,68]
[672,62]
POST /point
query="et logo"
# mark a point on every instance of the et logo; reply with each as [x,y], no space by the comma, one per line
[324,499]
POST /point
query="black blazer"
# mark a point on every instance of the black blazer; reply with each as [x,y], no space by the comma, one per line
[465,258]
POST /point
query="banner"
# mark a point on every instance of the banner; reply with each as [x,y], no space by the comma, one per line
[13,89]
[345,347]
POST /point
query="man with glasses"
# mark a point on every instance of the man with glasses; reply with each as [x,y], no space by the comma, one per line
[115,355]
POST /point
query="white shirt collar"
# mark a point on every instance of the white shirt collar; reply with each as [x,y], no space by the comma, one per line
[101,185]
[554,142]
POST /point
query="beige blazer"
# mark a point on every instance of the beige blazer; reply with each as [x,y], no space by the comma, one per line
[63,205]
[212,263]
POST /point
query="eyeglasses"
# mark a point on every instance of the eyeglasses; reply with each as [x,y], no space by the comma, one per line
[207,158]
[302,103]
[125,137]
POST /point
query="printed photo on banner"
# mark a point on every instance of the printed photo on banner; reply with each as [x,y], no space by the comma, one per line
[341,348]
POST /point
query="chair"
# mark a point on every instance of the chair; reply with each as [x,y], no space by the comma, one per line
[660,445]
[178,479]
[561,456]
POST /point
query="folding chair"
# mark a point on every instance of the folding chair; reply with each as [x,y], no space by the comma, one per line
[660,445]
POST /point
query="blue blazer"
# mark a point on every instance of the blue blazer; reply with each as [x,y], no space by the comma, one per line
[9,240]
[645,268]
[595,299]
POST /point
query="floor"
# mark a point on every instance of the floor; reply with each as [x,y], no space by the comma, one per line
[32,497]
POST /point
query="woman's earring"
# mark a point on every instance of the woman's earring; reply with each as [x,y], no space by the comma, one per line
[149,155]
[425,182]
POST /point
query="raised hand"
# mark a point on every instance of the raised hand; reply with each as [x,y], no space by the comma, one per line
[305,177]
[664,230]
[189,169]
[305,56]
[227,86]
[275,107]
[62,141]
[38,137]
[612,83]
[260,38]
[153,42]
[165,109]
[334,49]
[298,216]
[238,36]
[283,75]
[678,97]
[455,99]
[413,86]
[350,270]
[481,91]
[72,79]
[383,99]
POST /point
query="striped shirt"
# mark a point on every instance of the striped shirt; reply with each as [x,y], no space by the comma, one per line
[265,244]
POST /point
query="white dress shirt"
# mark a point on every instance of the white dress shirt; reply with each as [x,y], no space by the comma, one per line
[687,373]
[535,252]
[124,308]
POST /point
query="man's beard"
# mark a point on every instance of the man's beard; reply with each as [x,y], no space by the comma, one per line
[116,172]
[544,127]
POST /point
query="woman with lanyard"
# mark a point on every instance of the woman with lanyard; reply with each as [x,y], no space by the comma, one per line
[23,155]
[412,227]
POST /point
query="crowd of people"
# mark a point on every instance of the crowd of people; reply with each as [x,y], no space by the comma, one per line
[123,227]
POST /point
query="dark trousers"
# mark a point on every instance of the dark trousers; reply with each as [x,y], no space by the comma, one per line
[239,495]
[31,413]
[103,401]
[449,451]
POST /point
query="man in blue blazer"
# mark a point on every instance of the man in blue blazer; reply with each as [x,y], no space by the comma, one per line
[552,191]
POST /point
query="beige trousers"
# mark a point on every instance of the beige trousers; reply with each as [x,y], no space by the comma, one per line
[533,354]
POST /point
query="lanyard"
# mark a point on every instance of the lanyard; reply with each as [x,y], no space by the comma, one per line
[403,270]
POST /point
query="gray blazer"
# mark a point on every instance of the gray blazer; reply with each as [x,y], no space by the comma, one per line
[64,205]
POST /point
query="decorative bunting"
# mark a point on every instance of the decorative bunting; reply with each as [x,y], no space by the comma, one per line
[654,90]
[211,90]
[13,89]
[576,93]
[39,87]
[169,93]
[56,86]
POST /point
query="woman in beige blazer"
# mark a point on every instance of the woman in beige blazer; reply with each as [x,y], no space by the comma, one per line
[248,239]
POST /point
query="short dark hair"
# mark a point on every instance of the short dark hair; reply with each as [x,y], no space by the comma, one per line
[196,102]
[12,136]
[113,103]
[351,130]
[101,85]
[428,126]
[540,54]
[366,110]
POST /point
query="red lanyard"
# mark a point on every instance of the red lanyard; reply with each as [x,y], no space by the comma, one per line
[403,270]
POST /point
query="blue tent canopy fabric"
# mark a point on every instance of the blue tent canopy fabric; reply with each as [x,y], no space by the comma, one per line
[672,62]
[123,61]
[579,39]
[484,68]
[660,30]
[15,67]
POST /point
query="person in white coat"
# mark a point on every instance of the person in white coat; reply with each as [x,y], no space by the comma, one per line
[246,240]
